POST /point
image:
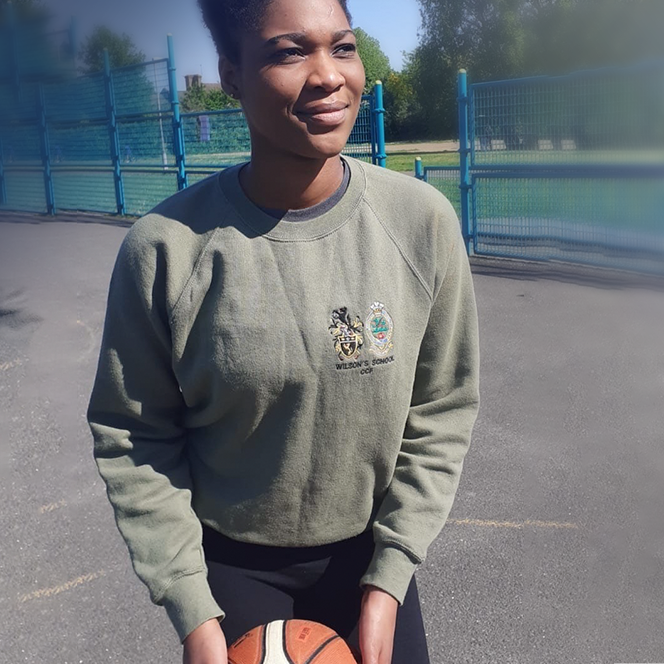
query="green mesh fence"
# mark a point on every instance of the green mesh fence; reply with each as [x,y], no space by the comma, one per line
[221,138]
[361,139]
[76,100]
[216,138]
[145,189]
[84,144]
[141,88]
[25,189]
[6,69]
[589,118]
[568,168]
[129,114]
[608,221]
[147,140]
[23,103]
[21,143]
[92,190]
[446,180]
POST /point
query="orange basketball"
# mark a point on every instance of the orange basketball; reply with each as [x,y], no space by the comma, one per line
[290,642]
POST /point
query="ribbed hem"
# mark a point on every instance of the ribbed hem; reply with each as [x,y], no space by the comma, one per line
[391,570]
[189,603]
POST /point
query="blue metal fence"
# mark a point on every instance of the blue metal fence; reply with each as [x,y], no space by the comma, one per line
[564,168]
[116,141]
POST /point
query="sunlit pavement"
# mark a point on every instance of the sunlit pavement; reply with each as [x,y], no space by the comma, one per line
[554,551]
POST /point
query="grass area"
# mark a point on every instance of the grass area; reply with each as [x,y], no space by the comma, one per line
[404,162]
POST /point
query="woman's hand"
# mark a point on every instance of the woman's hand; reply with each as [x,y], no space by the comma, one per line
[206,645]
[378,617]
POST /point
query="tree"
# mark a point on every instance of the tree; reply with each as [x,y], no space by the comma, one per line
[503,39]
[487,37]
[200,98]
[376,63]
[402,108]
[566,35]
[121,50]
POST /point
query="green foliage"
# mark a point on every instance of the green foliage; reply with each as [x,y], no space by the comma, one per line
[502,39]
[487,37]
[121,50]
[376,63]
[200,98]
[578,34]
[402,107]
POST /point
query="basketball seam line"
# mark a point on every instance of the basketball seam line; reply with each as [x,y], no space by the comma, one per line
[263,644]
[288,657]
[321,648]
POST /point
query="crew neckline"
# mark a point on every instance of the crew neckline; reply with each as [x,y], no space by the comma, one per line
[300,230]
[313,211]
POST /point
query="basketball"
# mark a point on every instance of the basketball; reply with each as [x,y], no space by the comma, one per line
[291,642]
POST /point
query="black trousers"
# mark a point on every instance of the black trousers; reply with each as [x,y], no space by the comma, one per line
[257,584]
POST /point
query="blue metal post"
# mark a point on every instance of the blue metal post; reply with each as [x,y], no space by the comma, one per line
[372,126]
[3,184]
[45,151]
[419,169]
[113,137]
[379,119]
[73,39]
[178,133]
[464,159]
[15,64]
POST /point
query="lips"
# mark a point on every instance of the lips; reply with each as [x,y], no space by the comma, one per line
[329,114]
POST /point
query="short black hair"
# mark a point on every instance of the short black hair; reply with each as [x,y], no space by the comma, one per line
[226,19]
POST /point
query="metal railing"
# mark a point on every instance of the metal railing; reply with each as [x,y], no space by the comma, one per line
[116,141]
[566,168]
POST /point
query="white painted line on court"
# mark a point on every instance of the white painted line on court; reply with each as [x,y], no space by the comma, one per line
[52,506]
[519,525]
[63,587]
[6,366]
[91,337]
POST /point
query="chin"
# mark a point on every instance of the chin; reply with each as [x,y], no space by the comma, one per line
[324,147]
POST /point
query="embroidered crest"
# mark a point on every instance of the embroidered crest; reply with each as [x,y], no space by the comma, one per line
[348,335]
[379,330]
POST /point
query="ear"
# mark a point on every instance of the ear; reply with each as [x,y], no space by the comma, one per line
[228,75]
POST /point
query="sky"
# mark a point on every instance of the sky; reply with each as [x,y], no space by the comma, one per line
[394,23]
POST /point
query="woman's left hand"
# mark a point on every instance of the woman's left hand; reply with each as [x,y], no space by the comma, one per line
[378,617]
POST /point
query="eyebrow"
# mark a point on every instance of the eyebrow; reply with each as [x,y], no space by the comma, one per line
[301,36]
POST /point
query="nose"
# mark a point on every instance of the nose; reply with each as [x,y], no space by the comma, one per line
[325,73]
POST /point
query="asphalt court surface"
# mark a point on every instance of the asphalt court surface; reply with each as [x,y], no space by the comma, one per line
[554,552]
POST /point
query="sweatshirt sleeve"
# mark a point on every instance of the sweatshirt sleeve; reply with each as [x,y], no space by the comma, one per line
[135,415]
[444,406]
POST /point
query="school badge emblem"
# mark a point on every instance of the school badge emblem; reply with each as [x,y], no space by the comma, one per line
[379,330]
[348,335]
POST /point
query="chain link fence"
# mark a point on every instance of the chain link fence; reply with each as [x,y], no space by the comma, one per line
[566,168]
[116,142]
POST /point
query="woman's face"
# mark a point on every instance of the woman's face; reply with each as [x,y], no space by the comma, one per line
[299,79]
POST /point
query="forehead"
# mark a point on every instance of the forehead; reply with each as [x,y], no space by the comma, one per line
[306,16]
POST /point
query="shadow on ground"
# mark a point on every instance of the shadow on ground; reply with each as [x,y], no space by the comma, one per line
[565,273]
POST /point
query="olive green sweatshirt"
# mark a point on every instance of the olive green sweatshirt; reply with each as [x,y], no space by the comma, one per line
[286,383]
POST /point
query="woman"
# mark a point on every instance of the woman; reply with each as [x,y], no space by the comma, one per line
[288,376]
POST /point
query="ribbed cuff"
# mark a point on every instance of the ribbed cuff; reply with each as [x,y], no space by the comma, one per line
[189,603]
[391,570]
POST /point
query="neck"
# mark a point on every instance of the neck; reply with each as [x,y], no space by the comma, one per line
[290,182]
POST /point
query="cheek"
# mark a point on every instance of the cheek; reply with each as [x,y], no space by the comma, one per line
[276,93]
[355,77]
[360,73]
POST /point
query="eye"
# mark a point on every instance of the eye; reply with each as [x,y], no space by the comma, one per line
[346,50]
[287,54]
